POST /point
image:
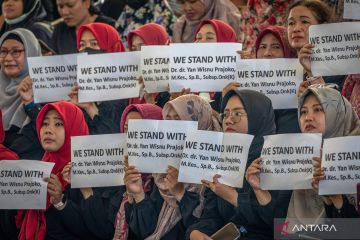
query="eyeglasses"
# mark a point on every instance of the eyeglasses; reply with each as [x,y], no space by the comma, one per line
[13,52]
[236,116]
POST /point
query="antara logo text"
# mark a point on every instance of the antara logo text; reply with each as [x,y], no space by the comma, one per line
[283,228]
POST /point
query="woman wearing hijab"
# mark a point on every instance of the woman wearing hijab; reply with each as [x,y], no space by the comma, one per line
[171,206]
[26,14]
[197,11]
[103,117]
[7,217]
[322,109]
[148,34]
[302,14]
[247,112]
[19,115]
[56,124]
[272,43]
[214,30]
[211,30]
[134,111]
[75,13]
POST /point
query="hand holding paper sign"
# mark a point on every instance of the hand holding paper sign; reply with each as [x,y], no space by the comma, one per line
[89,107]
[319,174]
[252,176]
[305,57]
[229,87]
[133,182]
[25,90]
[54,189]
[224,191]
[66,173]
[171,180]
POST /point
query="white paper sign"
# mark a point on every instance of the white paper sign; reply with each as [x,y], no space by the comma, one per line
[22,185]
[208,153]
[202,67]
[98,160]
[336,48]
[287,161]
[153,145]
[155,68]
[279,79]
[108,76]
[341,160]
[53,76]
[352,9]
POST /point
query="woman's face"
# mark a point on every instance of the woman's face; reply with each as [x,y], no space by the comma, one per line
[270,47]
[74,12]
[172,114]
[193,9]
[131,115]
[136,43]
[234,116]
[88,40]
[52,132]
[12,57]
[12,9]
[206,34]
[312,116]
[299,21]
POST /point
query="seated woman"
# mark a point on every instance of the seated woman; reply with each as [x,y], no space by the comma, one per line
[171,206]
[302,14]
[75,14]
[102,117]
[56,124]
[211,30]
[134,111]
[26,14]
[148,34]
[7,217]
[247,112]
[322,109]
[19,112]
[197,11]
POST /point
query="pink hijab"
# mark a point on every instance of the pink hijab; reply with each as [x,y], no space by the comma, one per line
[189,107]
[147,111]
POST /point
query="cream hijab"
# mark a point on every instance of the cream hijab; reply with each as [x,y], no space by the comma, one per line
[189,107]
[10,103]
[341,120]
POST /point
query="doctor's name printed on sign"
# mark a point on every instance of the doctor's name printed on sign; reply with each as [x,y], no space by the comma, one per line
[53,76]
[110,76]
[153,145]
[341,163]
[22,184]
[193,64]
[336,48]
[98,160]
[278,79]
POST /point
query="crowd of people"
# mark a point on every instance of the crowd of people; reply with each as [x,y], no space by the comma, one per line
[157,206]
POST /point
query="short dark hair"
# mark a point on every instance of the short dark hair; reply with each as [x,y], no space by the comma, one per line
[320,10]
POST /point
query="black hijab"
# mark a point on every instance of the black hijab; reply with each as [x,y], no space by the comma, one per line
[261,118]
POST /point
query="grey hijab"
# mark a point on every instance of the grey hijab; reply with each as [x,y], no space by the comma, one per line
[10,103]
[341,120]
